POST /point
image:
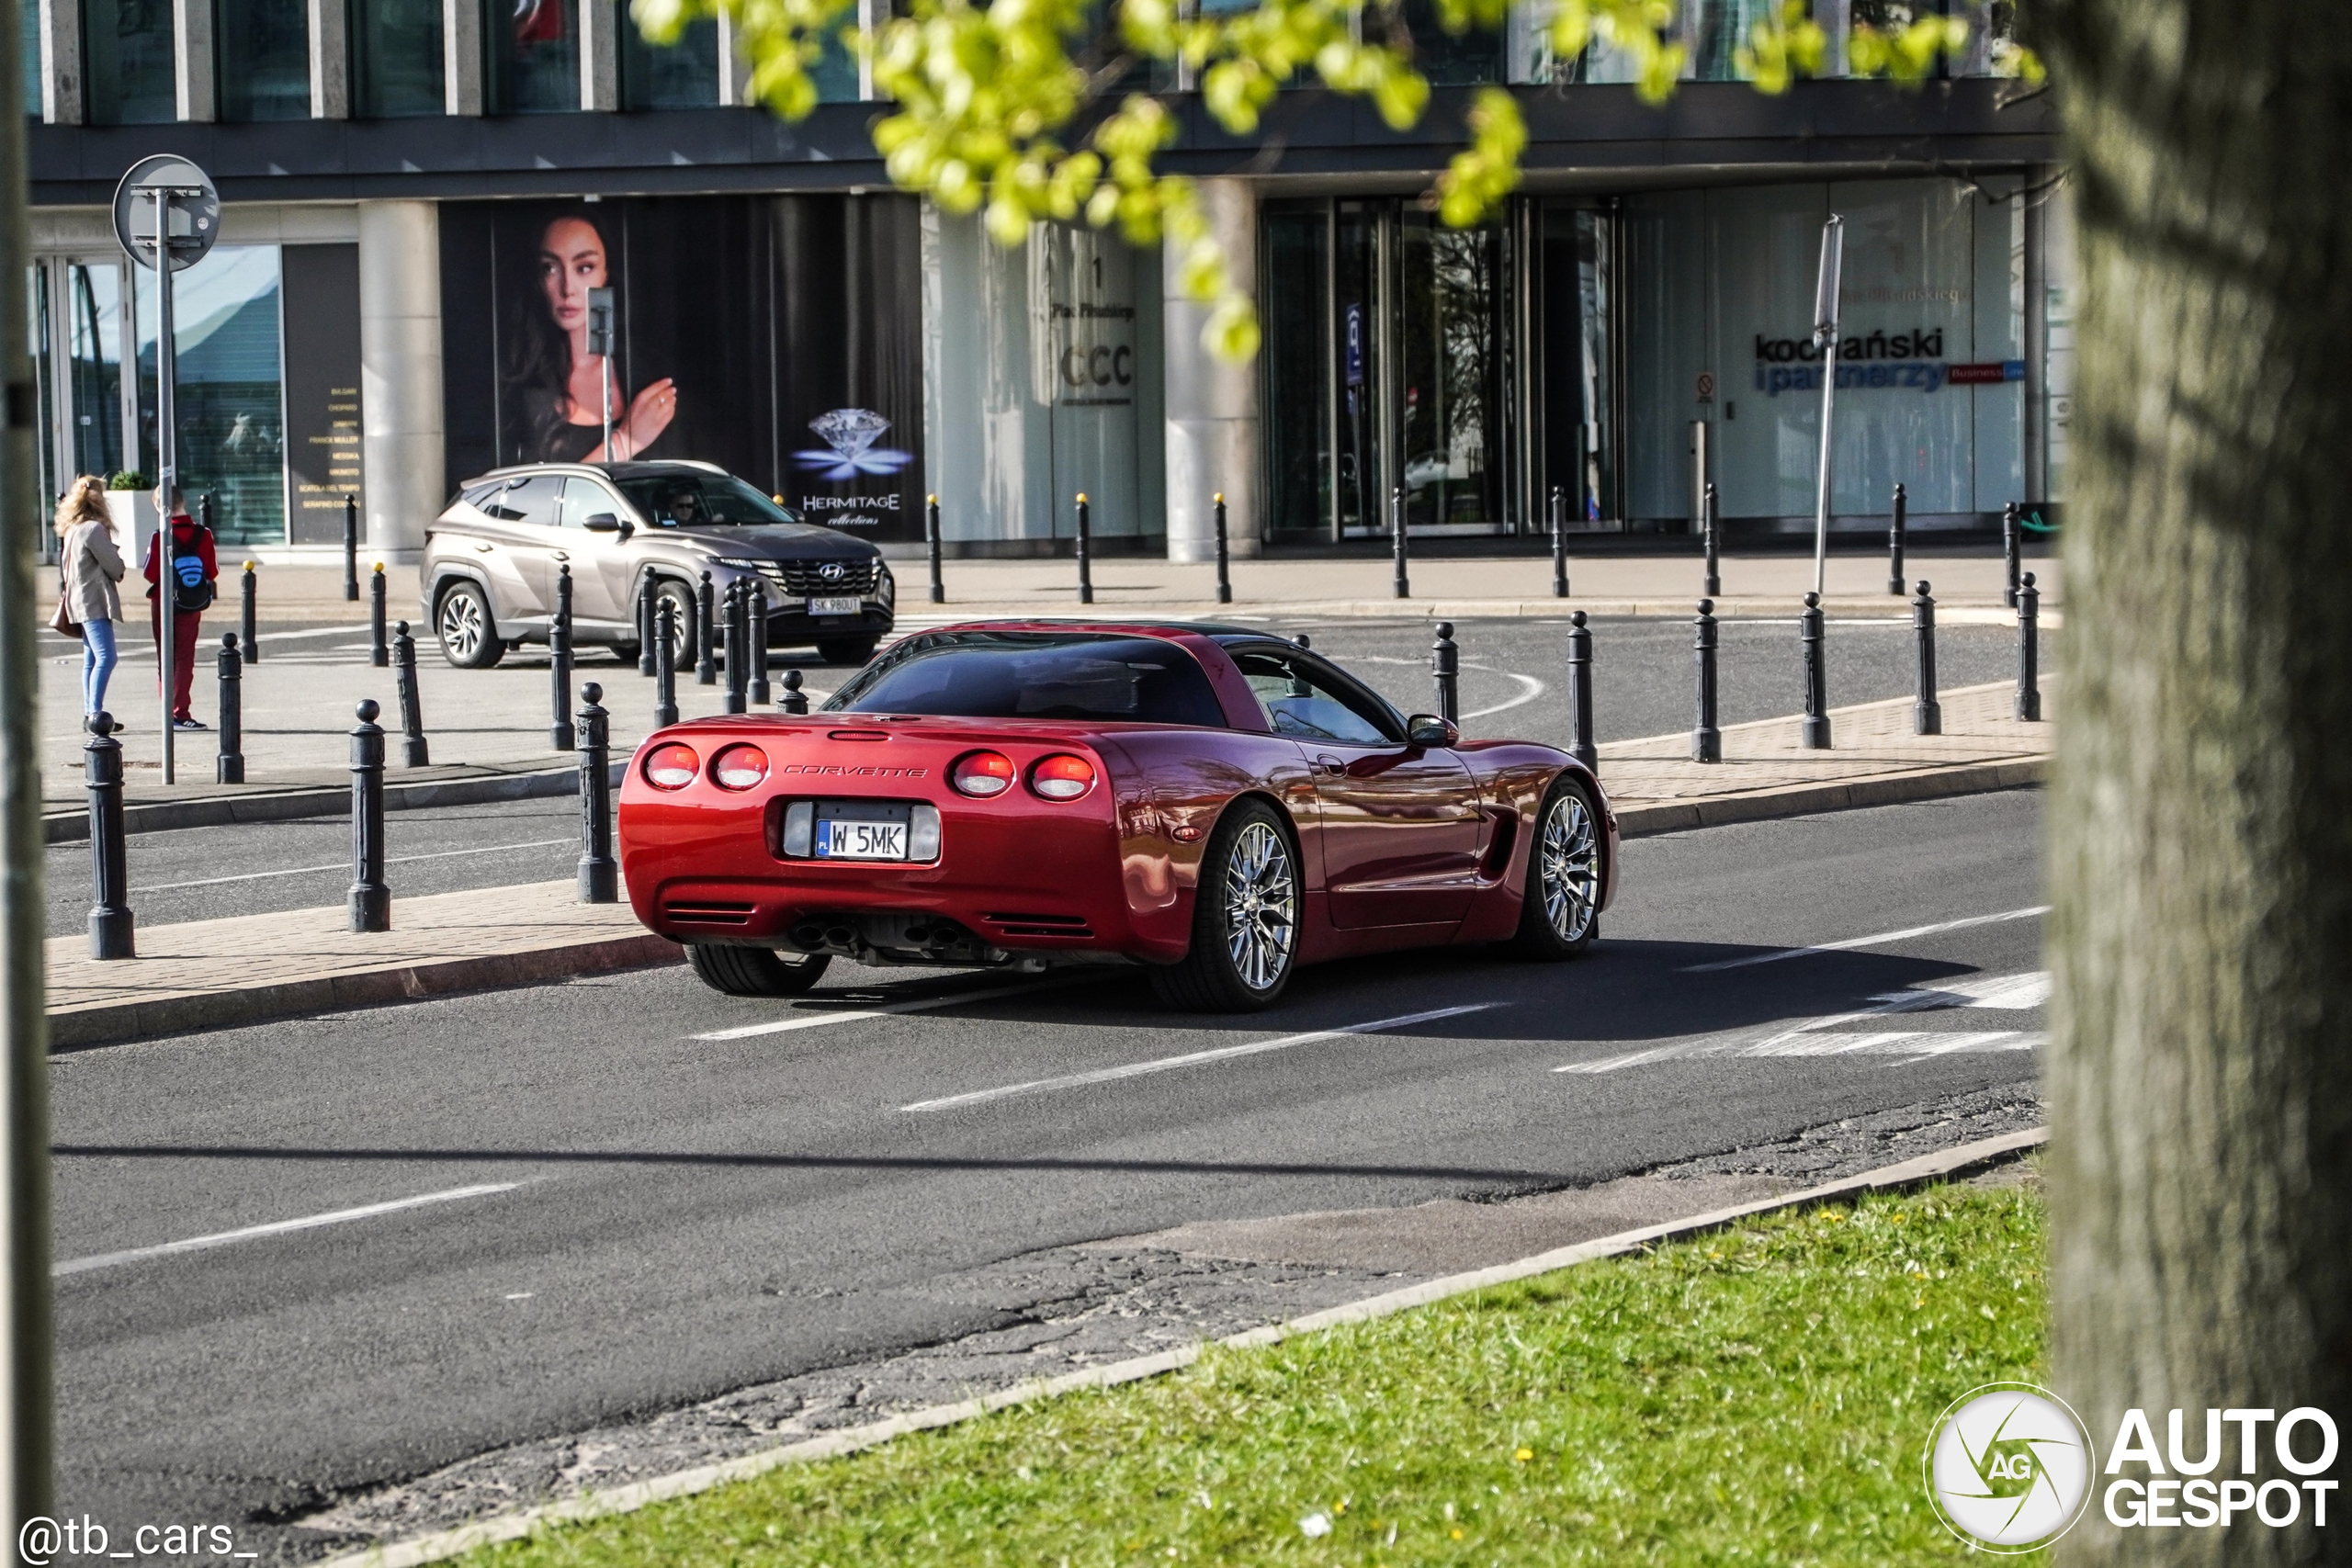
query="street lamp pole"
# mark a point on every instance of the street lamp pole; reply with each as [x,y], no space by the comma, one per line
[1825,337]
[168,457]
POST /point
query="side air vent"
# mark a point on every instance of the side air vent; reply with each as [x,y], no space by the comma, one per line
[1039,925]
[707,914]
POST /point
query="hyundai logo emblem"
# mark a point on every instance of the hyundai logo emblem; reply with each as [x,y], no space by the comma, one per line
[832,571]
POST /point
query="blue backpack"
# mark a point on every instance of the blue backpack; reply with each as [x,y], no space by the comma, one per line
[191,592]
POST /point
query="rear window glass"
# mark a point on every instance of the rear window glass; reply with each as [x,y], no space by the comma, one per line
[1060,675]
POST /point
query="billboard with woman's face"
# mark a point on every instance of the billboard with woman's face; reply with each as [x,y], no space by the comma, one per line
[778,337]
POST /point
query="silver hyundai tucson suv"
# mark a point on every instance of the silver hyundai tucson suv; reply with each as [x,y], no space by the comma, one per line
[492,558]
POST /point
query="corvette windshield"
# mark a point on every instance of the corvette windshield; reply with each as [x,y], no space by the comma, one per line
[692,500]
[1065,675]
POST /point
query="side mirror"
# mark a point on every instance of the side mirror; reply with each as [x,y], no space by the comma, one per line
[602,522]
[1428,729]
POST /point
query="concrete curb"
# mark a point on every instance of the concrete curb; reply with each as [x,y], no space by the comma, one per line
[434,1548]
[1800,800]
[324,800]
[115,1022]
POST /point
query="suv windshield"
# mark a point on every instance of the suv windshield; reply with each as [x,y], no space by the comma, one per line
[1065,675]
[689,499]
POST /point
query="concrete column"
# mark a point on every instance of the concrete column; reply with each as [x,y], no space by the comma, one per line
[192,60]
[1836,19]
[462,56]
[2036,301]
[734,71]
[61,62]
[399,373]
[600,54]
[1212,406]
[329,59]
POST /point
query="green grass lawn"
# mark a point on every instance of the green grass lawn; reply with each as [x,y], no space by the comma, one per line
[1761,1395]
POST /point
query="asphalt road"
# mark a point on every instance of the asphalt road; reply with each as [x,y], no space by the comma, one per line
[626,1208]
[1513,684]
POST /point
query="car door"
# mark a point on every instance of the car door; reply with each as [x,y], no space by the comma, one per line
[536,502]
[1401,826]
[504,544]
[603,564]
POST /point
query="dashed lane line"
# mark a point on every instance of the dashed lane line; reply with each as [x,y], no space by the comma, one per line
[277,1227]
[1818,1036]
[1194,1058]
[1881,940]
[345,865]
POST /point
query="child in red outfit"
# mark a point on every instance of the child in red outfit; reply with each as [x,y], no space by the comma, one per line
[195,570]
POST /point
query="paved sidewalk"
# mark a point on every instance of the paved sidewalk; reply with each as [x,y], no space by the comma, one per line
[213,973]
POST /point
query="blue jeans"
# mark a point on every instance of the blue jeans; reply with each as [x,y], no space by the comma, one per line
[97,664]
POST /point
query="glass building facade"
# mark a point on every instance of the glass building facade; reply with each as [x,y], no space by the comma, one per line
[263,48]
[533,56]
[127,62]
[396,59]
[231,413]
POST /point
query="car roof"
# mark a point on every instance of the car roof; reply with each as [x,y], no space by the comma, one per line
[631,470]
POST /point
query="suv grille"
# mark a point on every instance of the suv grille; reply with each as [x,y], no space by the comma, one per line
[800,579]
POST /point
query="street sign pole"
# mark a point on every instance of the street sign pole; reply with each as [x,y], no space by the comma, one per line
[600,344]
[167,459]
[1825,337]
[26,1390]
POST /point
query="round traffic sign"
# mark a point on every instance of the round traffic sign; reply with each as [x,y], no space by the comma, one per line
[192,203]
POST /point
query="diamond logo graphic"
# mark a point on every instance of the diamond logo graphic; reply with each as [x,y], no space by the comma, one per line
[849,435]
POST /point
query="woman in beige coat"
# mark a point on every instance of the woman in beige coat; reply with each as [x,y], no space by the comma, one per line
[90,566]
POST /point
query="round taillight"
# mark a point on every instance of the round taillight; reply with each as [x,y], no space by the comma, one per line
[982,773]
[1062,777]
[740,767]
[672,766]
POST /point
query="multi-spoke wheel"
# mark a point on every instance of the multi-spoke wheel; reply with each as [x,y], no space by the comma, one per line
[1245,918]
[464,625]
[1562,908]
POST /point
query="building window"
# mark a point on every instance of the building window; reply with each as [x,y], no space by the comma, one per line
[396,58]
[1448,60]
[264,59]
[683,75]
[230,405]
[29,47]
[127,61]
[534,56]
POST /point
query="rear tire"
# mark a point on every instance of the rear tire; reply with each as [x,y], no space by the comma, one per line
[853,651]
[681,599]
[1560,913]
[1245,918]
[755,970]
[462,621]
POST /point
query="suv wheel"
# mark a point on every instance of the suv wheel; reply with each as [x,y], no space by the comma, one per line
[463,624]
[681,599]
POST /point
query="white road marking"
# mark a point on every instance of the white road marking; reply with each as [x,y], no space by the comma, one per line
[851,1015]
[278,1227]
[1881,940]
[1196,1058]
[1815,1036]
[1535,690]
[345,865]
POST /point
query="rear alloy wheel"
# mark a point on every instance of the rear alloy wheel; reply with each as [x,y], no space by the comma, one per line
[853,651]
[1245,918]
[681,599]
[755,970]
[463,624]
[1560,911]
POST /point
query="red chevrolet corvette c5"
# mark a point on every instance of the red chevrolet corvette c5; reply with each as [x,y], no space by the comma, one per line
[1217,804]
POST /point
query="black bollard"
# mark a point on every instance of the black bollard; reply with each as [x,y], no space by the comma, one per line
[1707,729]
[1926,714]
[371,900]
[1559,543]
[1223,561]
[559,734]
[665,664]
[2029,651]
[738,659]
[1710,522]
[706,634]
[794,700]
[1894,542]
[351,549]
[1445,666]
[1396,532]
[931,536]
[755,620]
[415,753]
[2010,545]
[646,591]
[379,653]
[250,589]
[1085,551]
[600,873]
[1304,640]
[1811,632]
[1580,692]
[111,917]
[229,766]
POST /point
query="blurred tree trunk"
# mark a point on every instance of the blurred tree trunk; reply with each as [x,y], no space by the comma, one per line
[2201,825]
